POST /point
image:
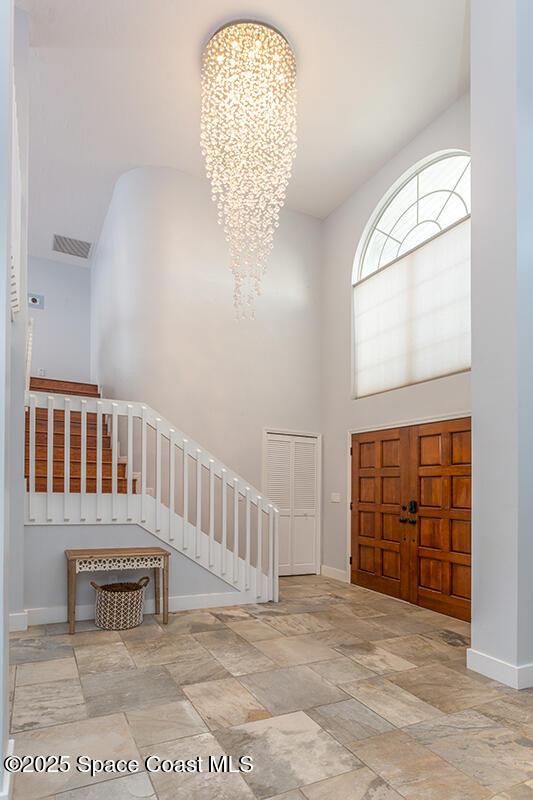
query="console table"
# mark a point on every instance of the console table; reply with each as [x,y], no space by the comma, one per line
[117,558]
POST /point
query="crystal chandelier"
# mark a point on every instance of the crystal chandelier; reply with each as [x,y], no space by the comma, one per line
[248,137]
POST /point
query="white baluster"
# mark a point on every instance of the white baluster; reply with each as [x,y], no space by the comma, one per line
[99,456]
[247,545]
[32,457]
[224,522]
[211,510]
[185,542]
[114,461]
[259,559]
[171,485]
[66,462]
[157,474]
[198,531]
[235,530]
[270,552]
[129,465]
[276,555]
[50,459]
[143,464]
[83,465]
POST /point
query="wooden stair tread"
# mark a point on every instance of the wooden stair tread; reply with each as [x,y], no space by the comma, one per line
[75,416]
[59,425]
[41,467]
[41,438]
[41,485]
[41,452]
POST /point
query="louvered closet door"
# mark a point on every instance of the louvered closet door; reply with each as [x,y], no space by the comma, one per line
[292,484]
[279,457]
[304,490]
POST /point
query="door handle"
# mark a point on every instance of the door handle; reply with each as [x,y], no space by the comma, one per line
[412,506]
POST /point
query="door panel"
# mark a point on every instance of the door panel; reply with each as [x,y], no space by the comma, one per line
[304,538]
[377,539]
[440,484]
[279,472]
[304,505]
[411,513]
[279,492]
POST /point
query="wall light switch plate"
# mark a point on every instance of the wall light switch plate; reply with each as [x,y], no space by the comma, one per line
[36,301]
[335,497]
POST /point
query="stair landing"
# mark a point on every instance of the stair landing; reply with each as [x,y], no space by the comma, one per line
[64,387]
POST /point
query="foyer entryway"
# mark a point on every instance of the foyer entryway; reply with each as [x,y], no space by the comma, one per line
[411,514]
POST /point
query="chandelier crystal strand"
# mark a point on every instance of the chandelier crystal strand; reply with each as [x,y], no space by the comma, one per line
[248,138]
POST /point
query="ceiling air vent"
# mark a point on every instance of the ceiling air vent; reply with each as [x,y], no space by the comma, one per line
[71,247]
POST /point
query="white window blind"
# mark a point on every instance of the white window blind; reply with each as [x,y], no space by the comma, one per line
[412,317]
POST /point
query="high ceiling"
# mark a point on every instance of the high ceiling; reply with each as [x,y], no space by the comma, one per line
[115,84]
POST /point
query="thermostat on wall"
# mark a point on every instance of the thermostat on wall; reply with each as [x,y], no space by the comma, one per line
[36,300]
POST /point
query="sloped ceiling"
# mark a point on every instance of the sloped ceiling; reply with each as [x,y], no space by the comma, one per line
[115,84]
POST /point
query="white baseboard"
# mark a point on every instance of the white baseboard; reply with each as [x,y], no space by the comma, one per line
[50,614]
[335,574]
[518,677]
[7,784]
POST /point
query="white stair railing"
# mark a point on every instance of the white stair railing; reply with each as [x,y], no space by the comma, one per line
[157,478]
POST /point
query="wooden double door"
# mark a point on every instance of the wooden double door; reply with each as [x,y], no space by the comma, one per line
[411,514]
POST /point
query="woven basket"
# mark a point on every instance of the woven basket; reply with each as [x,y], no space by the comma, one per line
[119,606]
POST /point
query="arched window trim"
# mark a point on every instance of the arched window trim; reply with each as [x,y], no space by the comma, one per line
[385,202]
[412,250]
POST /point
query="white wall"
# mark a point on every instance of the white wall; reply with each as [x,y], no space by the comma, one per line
[18,332]
[6,84]
[46,600]
[163,326]
[502,340]
[61,335]
[340,413]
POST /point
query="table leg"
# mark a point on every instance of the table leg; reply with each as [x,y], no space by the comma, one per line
[157,591]
[71,597]
[165,590]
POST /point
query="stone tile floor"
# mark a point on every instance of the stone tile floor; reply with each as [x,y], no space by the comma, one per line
[336,692]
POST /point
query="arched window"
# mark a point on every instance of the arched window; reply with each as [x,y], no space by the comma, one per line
[412,279]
